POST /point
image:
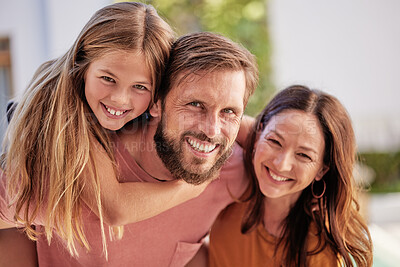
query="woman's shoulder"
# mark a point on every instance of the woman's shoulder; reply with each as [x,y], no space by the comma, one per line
[225,234]
[230,219]
[234,211]
[326,256]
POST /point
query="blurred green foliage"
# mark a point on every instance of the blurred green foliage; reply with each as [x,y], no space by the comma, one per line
[387,170]
[243,21]
[246,22]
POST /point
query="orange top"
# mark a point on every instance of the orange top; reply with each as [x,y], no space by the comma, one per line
[229,247]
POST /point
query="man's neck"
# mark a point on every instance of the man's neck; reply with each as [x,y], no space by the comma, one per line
[141,146]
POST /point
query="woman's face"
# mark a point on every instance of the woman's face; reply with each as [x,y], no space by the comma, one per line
[118,88]
[289,154]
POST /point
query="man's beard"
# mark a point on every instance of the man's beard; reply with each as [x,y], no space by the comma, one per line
[171,154]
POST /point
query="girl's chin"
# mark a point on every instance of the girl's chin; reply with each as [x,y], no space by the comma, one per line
[112,127]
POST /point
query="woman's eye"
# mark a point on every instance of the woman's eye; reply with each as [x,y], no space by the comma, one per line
[140,87]
[108,79]
[304,156]
[275,142]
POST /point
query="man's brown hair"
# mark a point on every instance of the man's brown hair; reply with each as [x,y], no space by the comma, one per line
[204,52]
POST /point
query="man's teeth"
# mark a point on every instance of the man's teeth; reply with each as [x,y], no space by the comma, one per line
[201,147]
[114,112]
[278,178]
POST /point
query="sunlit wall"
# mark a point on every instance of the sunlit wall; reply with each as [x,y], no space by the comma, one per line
[348,48]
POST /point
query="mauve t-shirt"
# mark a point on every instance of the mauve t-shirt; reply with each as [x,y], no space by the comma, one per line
[171,238]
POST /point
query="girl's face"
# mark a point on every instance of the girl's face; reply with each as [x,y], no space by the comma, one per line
[118,88]
[289,154]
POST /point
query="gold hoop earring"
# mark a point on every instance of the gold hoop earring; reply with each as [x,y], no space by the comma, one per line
[312,190]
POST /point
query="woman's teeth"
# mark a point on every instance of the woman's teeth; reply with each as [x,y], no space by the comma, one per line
[278,178]
[201,147]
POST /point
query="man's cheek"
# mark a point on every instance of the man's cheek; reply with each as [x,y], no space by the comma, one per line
[188,121]
[230,131]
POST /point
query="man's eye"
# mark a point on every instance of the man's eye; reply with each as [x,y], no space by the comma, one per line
[195,104]
[108,79]
[227,111]
[140,87]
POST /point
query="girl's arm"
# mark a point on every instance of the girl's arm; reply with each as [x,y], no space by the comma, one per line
[16,249]
[244,130]
[5,225]
[131,202]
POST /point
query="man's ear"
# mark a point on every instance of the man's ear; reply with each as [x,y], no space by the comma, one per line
[321,172]
[155,110]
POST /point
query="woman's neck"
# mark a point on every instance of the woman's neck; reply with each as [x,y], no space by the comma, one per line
[275,212]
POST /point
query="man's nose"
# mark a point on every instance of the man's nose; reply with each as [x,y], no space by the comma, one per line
[211,126]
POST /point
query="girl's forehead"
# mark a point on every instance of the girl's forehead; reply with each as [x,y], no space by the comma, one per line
[109,54]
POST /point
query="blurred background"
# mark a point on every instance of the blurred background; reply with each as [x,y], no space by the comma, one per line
[349,48]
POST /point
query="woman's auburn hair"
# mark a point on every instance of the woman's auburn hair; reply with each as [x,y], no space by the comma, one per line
[339,223]
[50,141]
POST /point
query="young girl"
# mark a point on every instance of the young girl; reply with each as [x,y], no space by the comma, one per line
[59,150]
[302,208]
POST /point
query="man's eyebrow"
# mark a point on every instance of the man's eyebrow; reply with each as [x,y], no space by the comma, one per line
[235,109]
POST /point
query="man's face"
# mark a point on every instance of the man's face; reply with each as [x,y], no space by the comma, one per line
[199,123]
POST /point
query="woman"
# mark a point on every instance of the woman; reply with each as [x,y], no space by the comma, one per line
[301,209]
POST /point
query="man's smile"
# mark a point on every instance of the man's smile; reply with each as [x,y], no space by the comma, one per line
[201,146]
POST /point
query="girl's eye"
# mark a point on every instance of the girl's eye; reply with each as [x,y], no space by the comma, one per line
[108,79]
[140,87]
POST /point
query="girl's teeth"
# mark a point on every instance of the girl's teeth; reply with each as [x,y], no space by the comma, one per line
[113,112]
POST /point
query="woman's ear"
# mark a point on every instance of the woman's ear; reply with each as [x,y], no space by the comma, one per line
[155,110]
[321,173]
[260,126]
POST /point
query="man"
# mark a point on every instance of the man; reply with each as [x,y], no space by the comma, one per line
[191,135]
[200,106]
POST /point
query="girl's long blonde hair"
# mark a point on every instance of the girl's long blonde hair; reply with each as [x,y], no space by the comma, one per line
[50,139]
